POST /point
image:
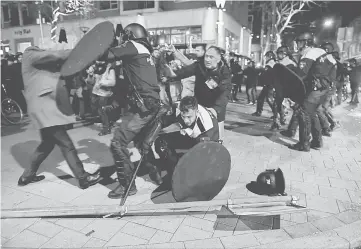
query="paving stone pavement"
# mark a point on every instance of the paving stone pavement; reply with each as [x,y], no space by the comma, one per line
[327,181]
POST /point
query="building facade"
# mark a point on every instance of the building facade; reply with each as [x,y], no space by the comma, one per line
[180,22]
[349,40]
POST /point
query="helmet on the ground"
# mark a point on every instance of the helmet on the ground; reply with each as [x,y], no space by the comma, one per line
[328,47]
[134,31]
[270,54]
[307,38]
[272,182]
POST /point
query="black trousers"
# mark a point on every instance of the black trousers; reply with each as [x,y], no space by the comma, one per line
[97,103]
[265,95]
[324,111]
[131,128]
[277,108]
[354,93]
[51,136]
[308,119]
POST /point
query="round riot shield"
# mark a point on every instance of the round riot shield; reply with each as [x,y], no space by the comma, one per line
[201,173]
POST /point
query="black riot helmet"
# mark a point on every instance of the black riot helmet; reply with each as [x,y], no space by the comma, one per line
[138,33]
[328,47]
[271,182]
[134,31]
[304,40]
[353,62]
[270,55]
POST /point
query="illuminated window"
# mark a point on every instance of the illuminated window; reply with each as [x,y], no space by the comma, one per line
[107,5]
[178,35]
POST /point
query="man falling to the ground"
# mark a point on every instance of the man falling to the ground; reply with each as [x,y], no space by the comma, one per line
[197,124]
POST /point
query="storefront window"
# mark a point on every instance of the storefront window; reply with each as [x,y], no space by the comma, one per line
[178,35]
[22,46]
[178,39]
[196,38]
[5,47]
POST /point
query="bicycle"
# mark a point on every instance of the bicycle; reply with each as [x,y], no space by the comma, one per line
[344,93]
[10,109]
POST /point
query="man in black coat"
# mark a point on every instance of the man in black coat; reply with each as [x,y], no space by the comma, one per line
[212,85]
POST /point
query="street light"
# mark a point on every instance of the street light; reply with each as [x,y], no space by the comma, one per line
[220,4]
[328,23]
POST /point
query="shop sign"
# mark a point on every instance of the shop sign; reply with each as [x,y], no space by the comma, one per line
[22,31]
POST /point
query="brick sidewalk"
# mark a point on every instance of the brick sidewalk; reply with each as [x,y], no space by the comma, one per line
[327,181]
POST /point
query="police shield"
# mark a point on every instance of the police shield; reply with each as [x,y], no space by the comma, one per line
[289,83]
[201,173]
[90,48]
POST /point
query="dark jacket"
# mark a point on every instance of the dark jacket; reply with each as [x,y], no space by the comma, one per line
[252,76]
[138,67]
[216,98]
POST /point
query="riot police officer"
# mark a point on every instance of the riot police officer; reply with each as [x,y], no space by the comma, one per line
[135,53]
[317,69]
[324,112]
[265,80]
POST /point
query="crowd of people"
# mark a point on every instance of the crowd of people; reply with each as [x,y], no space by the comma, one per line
[153,88]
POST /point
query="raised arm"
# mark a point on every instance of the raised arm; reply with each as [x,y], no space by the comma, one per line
[38,56]
[129,48]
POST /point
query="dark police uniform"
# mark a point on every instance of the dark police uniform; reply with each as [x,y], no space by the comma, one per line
[317,68]
[141,72]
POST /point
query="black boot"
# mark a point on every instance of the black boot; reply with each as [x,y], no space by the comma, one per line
[90,180]
[257,114]
[304,132]
[301,147]
[335,126]
[275,126]
[326,132]
[120,190]
[154,174]
[316,144]
[25,181]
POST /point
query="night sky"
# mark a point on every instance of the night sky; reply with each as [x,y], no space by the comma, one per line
[348,10]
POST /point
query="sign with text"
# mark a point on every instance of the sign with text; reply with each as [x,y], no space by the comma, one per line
[22,31]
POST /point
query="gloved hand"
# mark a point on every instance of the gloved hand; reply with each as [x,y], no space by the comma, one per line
[107,108]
